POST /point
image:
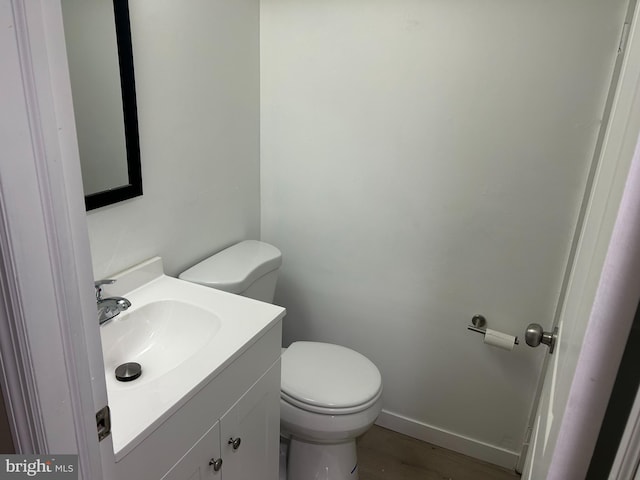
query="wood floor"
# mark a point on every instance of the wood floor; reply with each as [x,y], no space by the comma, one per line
[387,455]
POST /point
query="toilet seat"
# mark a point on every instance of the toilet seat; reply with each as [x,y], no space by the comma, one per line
[329,410]
[328,379]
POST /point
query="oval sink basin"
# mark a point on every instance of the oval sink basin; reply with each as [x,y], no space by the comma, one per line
[159,336]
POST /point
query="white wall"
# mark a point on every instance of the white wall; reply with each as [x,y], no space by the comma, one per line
[197,80]
[423,161]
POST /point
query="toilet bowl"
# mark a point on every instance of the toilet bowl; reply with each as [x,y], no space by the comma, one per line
[329,394]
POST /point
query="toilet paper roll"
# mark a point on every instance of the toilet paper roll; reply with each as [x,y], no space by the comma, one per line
[499,339]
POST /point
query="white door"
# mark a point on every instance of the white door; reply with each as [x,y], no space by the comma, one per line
[49,341]
[600,300]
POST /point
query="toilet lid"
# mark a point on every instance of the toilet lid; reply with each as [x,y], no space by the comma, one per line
[327,375]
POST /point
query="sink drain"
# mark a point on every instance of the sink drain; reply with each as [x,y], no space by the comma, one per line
[128,371]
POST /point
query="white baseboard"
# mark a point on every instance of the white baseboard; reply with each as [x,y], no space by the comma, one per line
[452,441]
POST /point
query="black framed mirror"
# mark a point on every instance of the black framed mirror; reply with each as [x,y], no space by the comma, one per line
[100,53]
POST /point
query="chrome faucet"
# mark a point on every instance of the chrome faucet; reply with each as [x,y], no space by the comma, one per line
[111,306]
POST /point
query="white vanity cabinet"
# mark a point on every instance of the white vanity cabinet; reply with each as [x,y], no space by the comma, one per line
[198,463]
[250,432]
[244,443]
[241,401]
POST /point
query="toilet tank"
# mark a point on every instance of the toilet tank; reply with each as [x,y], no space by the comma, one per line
[249,268]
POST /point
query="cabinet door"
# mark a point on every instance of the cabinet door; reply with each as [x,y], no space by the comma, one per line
[197,463]
[255,420]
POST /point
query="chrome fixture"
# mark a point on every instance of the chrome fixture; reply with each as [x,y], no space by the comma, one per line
[111,306]
[535,335]
[479,325]
[127,372]
[216,464]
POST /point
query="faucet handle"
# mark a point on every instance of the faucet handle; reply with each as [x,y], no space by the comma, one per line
[98,286]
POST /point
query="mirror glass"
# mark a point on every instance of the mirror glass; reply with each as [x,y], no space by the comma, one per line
[98,39]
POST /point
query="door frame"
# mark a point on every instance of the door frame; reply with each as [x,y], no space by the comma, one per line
[627,460]
[51,363]
[610,317]
[601,281]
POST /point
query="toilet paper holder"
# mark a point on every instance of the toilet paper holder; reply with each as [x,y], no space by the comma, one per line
[479,325]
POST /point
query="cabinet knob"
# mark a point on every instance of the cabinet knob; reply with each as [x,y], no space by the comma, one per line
[235,442]
[217,464]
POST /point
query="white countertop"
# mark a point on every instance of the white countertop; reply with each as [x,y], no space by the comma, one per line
[140,406]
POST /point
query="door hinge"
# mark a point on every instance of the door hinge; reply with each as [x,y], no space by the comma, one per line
[103,422]
[623,38]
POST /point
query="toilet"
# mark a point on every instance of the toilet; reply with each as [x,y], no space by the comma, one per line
[329,394]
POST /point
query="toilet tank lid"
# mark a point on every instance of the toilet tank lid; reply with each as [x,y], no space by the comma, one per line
[235,268]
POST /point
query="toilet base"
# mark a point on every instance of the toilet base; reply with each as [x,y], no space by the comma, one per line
[322,461]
